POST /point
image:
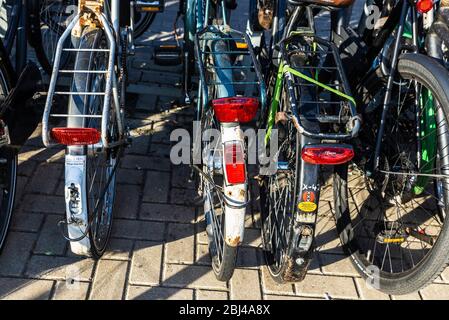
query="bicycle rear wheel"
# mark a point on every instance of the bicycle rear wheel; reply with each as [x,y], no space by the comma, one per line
[101,163]
[143,22]
[47,21]
[212,182]
[278,199]
[8,170]
[393,222]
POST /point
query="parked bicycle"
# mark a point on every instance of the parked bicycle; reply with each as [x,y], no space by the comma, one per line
[20,110]
[391,206]
[94,132]
[230,93]
[315,119]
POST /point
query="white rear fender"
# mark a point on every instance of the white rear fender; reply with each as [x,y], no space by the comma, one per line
[235,193]
[76,204]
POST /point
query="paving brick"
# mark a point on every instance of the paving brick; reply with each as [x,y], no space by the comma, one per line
[146,263]
[20,187]
[145,162]
[127,201]
[51,241]
[183,196]
[161,136]
[16,252]
[191,276]
[248,257]
[158,293]
[60,268]
[161,77]
[27,168]
[368,293]
[30,222]
[275,297]
[109,282]
[252,238]
[211,295]
[118,249]
[25,289]
[411,296]
[180,243]
[130,176]
[161,150]
[245,285]
[435,292]
[146,102]
[52,172]
[134,76]
[43,204]
[156,187]
[334,264]
[445,275]
[167,212]
[335,287]
[200,230]
[70,291]
[137,229]
[270,286]
[140,146]
[39,154]
[327,241]
[181,176]
[202,255]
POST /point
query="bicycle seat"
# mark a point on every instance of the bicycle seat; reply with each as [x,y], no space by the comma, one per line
[324,3]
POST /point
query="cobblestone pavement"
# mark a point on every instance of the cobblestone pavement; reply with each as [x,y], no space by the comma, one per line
[158,247]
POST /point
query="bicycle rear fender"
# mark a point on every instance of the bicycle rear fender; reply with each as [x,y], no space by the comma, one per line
[76,205]
[236,194]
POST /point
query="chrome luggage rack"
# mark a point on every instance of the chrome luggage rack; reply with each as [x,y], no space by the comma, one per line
[321,103]
[111,88]
[242,70]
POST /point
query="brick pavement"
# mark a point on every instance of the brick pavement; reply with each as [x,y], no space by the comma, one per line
[158,246]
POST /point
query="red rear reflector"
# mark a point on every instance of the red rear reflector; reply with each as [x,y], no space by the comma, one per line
[75,136]
[236,109]
[331,155]
[234,161]
[424,6]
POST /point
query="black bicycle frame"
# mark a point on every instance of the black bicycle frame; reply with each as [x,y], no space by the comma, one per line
[308,175]
[405,7]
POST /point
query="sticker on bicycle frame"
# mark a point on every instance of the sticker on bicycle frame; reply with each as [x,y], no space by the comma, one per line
[307,206]
[308,196]
[75,160]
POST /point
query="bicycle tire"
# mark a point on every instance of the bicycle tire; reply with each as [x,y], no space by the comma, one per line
[8,170]
[144,24]
[35,37]
[424,70]
[279,263]
[224,265]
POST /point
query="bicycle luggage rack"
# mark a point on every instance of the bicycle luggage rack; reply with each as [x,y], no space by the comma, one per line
[318,89]
[242,71]
[110,82]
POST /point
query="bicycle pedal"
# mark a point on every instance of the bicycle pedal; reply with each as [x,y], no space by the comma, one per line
[168,55]
[150,6]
